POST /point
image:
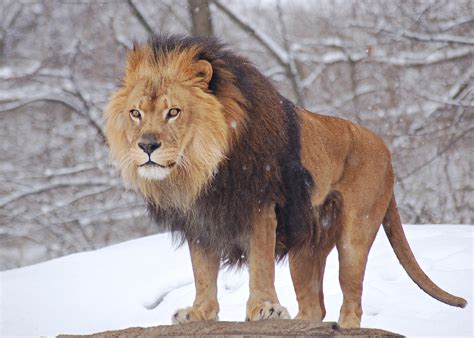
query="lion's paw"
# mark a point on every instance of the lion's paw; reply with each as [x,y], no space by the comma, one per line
[268,310]
[192,314]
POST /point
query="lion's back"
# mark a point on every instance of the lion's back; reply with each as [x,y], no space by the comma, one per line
[334,147]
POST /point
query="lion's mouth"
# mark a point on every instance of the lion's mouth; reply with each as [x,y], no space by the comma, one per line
[152,164]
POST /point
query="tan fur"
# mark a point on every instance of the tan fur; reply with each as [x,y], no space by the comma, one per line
[352,160]
[342,158]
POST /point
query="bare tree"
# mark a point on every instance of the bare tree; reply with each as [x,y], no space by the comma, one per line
[403,69]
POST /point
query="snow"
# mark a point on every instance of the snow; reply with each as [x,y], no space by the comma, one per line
[142,282]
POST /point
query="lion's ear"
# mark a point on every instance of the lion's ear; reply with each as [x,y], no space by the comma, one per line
[203,72]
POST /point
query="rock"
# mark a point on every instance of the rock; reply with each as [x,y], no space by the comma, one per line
[266,328]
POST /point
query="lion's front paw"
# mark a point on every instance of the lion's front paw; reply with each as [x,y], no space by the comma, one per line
[267,310]
[193,314]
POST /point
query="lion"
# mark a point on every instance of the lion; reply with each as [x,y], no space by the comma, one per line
[243,175]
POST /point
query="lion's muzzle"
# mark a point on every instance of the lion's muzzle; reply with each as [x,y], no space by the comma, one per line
[153,166]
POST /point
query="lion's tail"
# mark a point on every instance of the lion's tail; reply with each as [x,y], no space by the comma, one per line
[394,230]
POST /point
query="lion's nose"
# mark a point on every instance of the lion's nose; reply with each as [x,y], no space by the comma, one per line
[149,143]
[149,147]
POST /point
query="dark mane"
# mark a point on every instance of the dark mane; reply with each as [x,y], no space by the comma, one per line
[210,49]
[263,168]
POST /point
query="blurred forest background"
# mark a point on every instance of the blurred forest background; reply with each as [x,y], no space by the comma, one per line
[404,69]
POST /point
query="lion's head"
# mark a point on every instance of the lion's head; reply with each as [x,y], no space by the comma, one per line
[166,129]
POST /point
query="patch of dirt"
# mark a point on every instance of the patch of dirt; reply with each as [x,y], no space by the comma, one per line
[267,328]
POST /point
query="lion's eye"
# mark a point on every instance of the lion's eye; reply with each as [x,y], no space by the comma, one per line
[135,114]
[172,113]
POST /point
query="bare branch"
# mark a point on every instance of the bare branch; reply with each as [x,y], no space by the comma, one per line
[454,139]
[291,67]
[432,38]
[280,55]
[445,38]
[59,100]
[184,22]
[403,59]
[448,25]
[51,186]
[140,17]
[445,101]
[76,198]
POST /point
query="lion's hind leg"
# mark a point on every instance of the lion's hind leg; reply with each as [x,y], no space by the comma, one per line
[307,272]
[366,188]
[307,264]
[360,225]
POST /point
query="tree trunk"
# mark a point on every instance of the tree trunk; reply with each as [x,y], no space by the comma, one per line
[200,17]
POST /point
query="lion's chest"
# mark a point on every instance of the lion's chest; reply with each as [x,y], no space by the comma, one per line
[221,218]
[218,226]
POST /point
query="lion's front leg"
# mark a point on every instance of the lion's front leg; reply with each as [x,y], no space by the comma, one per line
[205,268]
[263,301]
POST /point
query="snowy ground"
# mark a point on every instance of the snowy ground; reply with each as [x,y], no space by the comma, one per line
[120,286]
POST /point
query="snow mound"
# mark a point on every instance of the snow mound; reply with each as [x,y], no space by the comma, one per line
[142,282]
